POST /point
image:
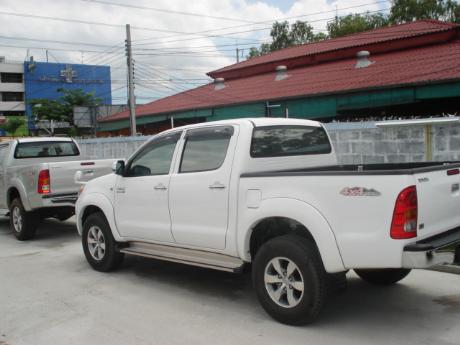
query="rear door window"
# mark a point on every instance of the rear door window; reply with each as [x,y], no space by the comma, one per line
[205,149]
[278,141]
[46,149]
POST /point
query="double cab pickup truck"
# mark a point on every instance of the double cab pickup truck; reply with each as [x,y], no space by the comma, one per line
[37,180]
[268,194]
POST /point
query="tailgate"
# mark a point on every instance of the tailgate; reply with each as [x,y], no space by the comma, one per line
[438,194]
[62,174]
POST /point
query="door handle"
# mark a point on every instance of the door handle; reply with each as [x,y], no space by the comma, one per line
[120,190]
[217,185]
[160,186]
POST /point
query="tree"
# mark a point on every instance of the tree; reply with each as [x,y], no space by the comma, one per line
[403,11]
[285,35]
[354,23]
[302,33]
[12,125]
[47,109]
[62,108]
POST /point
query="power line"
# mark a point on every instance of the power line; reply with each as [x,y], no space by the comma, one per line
[202,94]
[48,48]
[118,26]
[244,31]
[285,18]
[169,11]
[54,41]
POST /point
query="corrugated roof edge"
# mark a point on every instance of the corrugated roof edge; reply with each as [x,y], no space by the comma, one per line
[243,64]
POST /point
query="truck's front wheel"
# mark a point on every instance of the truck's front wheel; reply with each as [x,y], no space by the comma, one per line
[99,245]
[383,277]
[290,280]
[24,224]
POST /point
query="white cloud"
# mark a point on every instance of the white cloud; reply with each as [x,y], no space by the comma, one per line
[199,54]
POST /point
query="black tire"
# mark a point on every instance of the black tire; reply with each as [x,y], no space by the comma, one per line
[24,224]
[305,256]
[111,258]
[383,277]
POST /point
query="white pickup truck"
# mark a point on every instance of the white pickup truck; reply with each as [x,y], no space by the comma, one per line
[37,180]
[268,192]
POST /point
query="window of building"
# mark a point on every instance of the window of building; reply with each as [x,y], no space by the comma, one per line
[277,141]
[12,97]
[11,77]
[205,149]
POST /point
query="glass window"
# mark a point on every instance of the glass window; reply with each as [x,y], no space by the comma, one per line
[46,149]
[11,77]
[155,158]
[12,96]
[276,141]
[205,149]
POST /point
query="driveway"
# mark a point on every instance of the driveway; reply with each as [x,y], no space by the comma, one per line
[49,295]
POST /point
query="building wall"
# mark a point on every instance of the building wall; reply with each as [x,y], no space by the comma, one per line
[11,107]
[43,79]
[117,147]
[355,143]
[411,100]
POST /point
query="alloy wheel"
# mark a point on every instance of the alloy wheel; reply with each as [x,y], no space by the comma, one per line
[284,282]
[96,243]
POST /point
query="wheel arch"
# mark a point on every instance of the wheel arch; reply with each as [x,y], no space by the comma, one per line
[17,190]
[93,203]
[281,216]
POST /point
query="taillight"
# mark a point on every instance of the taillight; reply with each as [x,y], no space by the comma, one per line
[44,182]
[404,223]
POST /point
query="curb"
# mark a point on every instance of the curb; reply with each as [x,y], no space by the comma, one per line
[447,269]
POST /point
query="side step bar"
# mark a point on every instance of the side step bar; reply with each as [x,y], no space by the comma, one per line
[185,256]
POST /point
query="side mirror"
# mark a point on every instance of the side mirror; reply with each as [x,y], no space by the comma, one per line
[118,167]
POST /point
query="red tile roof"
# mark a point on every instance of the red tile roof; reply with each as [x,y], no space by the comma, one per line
[396,65]
[420,65]
[385,34]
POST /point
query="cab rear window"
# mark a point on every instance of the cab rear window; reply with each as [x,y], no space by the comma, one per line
[46,149]
[279,141]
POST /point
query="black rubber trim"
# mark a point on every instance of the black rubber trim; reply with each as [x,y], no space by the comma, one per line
[58,195]
[434,242]
[367,169]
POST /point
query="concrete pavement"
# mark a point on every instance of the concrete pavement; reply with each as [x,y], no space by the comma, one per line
[49,295]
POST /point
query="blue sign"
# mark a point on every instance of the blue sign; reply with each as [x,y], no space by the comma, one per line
[43,79]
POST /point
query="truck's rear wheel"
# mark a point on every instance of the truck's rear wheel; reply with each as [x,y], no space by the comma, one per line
[24,224]
[290,280]
[99,245]
[387,276]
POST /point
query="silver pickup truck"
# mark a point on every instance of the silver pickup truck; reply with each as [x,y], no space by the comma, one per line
[37,180]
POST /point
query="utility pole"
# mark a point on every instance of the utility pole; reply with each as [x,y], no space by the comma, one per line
[131,99]
[237,55]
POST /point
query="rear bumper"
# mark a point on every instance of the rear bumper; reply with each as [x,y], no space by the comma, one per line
[442,249]
[60,199]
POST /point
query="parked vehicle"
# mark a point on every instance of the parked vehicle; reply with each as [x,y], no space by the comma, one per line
[37,180]
[269,192]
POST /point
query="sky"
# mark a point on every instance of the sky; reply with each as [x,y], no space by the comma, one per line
[175,42]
